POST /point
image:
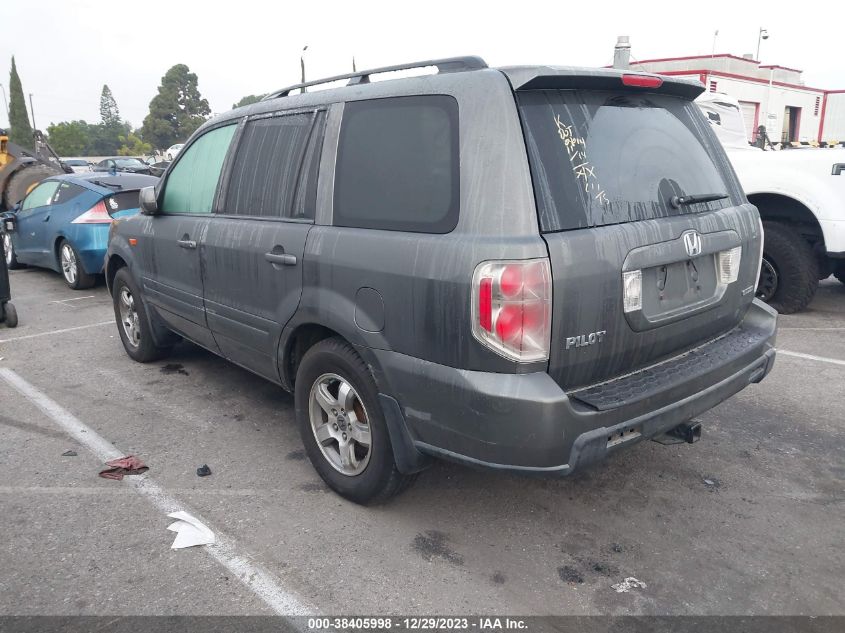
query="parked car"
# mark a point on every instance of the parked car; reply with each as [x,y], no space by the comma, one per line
[158,168]
[523,269]
[78,165]
[173,151]
[801,199]
[63,223]
[122,164]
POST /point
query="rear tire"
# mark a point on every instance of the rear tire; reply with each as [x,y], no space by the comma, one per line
[132,322]
[71,266]
[332,377]
[789,276]
[840,275]
[23,181]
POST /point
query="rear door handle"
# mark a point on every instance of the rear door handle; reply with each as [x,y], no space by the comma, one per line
[46,218]
[838,168]
[187,243]
[285,259]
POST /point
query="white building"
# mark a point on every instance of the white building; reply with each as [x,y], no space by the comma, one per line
[774,96]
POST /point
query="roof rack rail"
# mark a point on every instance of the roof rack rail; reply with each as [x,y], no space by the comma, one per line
[447,65]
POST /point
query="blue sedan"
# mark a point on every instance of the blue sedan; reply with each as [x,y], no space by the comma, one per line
[63,223]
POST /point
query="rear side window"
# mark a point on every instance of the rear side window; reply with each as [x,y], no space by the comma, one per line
[66,192]
[397,165]
[601,158]
[192,183]
[273,173]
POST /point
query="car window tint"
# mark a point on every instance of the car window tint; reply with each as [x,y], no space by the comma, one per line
[66,192]
[123,201]
[397,165]
[305,204]
[268,166]
[192,183]
[600,158]
[40,196]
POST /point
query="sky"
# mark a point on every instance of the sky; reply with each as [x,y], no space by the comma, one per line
[67,49]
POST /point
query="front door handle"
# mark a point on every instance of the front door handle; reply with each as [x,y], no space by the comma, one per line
[46,218]
[285,259]
[187,243]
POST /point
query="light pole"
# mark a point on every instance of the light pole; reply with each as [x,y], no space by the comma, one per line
[713,50]
[763,34]
[302,65]
[5,102]
[32,110]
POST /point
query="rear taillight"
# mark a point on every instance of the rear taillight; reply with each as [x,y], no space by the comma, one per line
[512,308]
[642,81]
[95,215]
[729,262]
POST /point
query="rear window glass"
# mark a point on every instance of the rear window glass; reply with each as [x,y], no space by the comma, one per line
[271,176]
[397,165]
[123,201]
[601,158]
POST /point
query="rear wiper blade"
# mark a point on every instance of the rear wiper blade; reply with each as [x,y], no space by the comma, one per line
[679,201]
[110,185]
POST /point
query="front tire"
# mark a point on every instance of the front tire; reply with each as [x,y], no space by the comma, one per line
[132,322]
[789,276]
[72,270]
[9,250]
[342,425]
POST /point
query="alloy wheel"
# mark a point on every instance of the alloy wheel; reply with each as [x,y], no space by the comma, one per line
[7,248]
[129,317]
[69,264]
[340,424]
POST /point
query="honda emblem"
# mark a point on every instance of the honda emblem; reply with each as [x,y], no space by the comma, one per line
[692,242]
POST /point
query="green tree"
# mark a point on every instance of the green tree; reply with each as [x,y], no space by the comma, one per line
[134,146]
[247,100]
[70,138]
[109,113]
[177,110]
[20,131]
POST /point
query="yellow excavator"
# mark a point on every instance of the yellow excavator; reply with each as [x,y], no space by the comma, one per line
[21,169]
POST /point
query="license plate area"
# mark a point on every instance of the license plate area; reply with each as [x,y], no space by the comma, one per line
[677,287]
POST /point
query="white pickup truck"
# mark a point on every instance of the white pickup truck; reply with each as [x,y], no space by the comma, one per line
[800,194]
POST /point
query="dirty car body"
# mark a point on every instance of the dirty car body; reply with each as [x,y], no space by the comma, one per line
[531,289]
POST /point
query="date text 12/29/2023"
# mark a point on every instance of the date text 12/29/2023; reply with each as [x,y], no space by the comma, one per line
[417,623]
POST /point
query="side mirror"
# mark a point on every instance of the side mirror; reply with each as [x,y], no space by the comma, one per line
[149,204]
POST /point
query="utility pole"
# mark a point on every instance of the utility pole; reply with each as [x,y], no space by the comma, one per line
[32,110]
[354,70]
[713,50]
[5,101]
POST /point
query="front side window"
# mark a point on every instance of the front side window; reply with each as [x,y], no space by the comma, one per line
[272,174]
[41,196]
[398,166]
[193,181]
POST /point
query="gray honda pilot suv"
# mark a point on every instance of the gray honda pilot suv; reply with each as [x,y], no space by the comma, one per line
[523,268]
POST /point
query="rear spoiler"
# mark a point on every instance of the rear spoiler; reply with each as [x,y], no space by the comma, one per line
[572,78]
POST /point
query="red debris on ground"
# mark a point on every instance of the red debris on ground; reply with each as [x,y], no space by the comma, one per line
[129,465]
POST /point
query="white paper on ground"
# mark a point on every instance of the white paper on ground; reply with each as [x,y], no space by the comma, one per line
[190,531]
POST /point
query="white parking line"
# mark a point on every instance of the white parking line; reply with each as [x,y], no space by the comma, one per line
[67,301]
[252,575]
[834,361]
[51,332]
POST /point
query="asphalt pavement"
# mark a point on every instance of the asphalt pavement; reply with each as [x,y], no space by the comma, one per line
[750,520]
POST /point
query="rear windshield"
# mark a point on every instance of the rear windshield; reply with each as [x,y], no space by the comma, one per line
[122,201]
[601,158]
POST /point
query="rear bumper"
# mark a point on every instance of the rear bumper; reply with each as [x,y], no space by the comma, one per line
[528,423]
